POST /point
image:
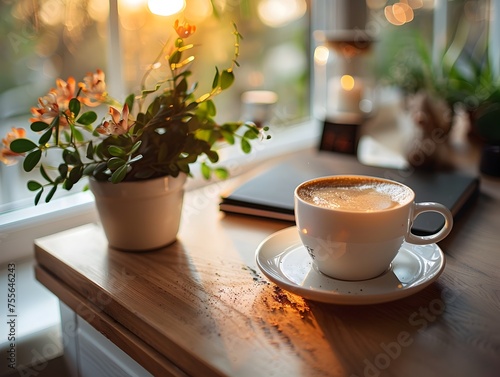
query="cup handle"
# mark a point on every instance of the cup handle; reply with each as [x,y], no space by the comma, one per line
[419,208]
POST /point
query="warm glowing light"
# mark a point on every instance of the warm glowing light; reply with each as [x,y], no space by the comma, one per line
[98,10]
[304,231]
[131,4]
[347,82]
[198,10]
[277,13]
[52,13]
[132,17]
[166,7]
[402,12]
[321,54]
[414,4]
[389,15]
[399,13]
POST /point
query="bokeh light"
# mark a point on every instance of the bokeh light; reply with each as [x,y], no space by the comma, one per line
[98,10]
[277,13]
[198,10]
[166,7]
[321,54]
[415,4]
[347,82]
[52,13]
[132,15]
[401,12]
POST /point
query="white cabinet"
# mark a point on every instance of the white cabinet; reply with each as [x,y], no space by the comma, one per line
[91,354]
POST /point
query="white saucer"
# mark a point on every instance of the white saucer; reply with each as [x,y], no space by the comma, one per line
[283,259]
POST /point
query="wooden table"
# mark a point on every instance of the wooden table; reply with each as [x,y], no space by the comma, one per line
[202,308]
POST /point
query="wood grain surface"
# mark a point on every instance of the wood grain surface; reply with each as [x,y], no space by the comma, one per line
[201,307]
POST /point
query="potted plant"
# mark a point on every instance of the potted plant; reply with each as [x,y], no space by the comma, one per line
[405,62]
[141,152]
[463,82]
[469,82]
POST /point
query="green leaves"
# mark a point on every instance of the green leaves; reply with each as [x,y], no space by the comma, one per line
[116,151]
[129,101]
[90,151]
[175,57]
[74,176]
[31,160]
[115,163]
[63,170]
[135,147]
[55,126]
[44,139]
[228,136]
[227,79]
[120,164]
[39,126]
[34,186]
[245,145]
[22,145]
[87,118]
[119,174]
[38,196]
[71,157]
[215,82]
[221,173]
[223,80]
[74,106]
[207,171]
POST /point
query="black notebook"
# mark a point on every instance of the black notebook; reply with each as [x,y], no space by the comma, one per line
[270,194]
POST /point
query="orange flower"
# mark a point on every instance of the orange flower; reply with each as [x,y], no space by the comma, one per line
[55,102]
[6,155]
[116,126]
[94,87]
[184,30]
[48,109]
[64,92]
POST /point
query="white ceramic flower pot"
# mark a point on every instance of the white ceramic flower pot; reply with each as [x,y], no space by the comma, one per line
[142,215]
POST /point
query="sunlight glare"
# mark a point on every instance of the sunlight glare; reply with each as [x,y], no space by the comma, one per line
[198,10]
[166,7]
[277,13]
[131,4]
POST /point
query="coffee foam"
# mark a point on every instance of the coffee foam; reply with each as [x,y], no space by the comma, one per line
[354,194]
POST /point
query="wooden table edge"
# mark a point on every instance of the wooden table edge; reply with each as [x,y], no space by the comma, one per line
[187,362]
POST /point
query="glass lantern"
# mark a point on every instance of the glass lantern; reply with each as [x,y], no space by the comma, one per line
[342,83]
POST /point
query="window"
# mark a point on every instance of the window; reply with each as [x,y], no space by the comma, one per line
[48,39]
[43,40]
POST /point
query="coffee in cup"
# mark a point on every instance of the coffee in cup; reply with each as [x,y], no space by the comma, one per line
[353,194]
[353,226]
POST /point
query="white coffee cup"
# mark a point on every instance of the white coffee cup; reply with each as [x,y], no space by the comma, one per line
[353,226]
